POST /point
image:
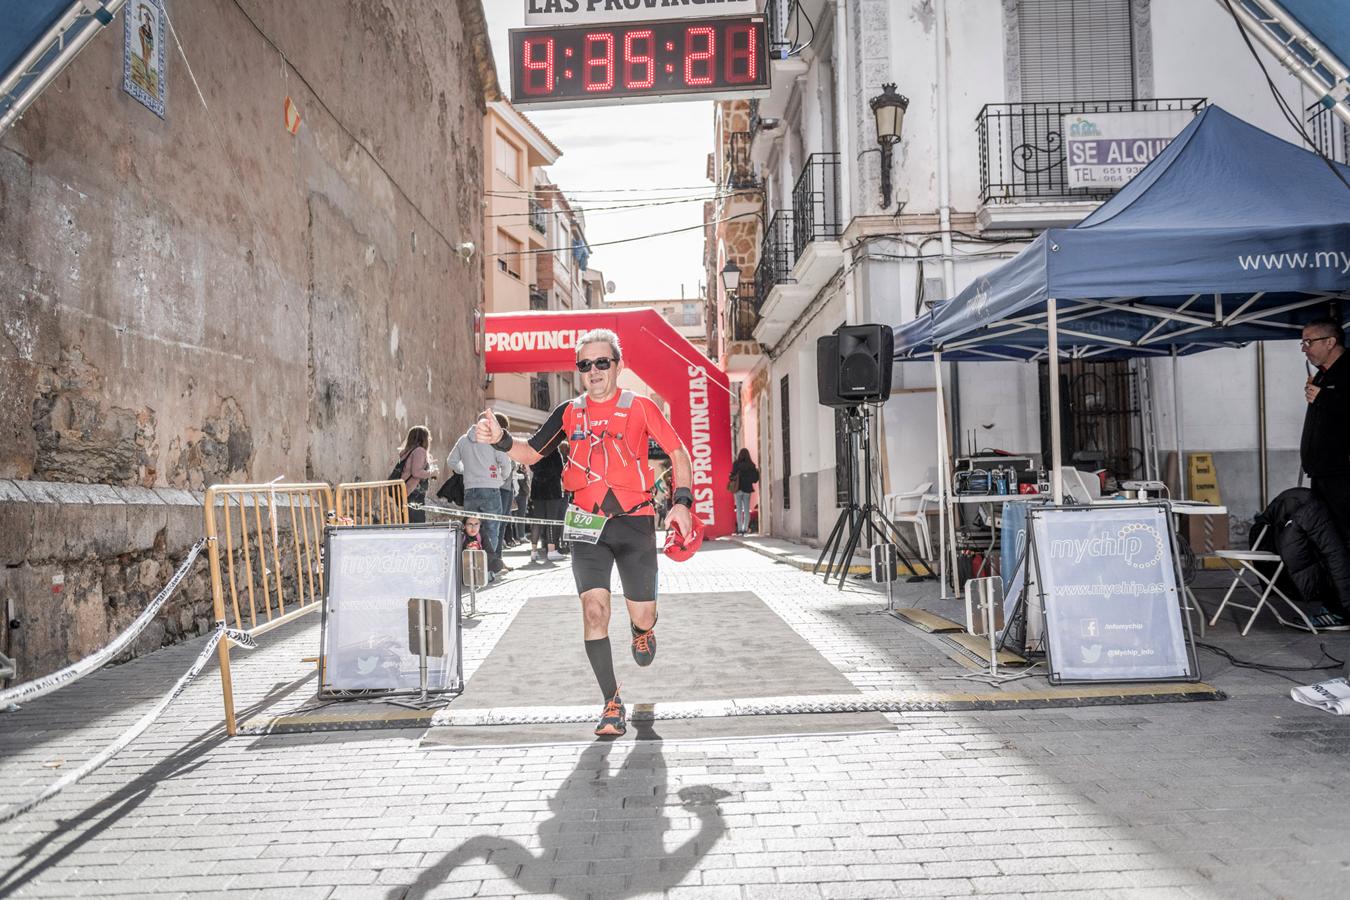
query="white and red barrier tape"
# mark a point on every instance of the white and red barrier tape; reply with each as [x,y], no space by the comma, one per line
[31,690]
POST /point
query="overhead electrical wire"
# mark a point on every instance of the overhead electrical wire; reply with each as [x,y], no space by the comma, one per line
[796,12]
[592,210]
[641,237]
[614,203]
[584,192]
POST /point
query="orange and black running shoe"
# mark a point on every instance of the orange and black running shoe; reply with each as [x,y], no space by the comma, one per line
[614,719]
[644,646]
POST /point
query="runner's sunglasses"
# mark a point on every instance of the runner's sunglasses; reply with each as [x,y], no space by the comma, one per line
[603,363]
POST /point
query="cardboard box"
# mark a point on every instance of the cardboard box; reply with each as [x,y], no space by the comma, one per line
[1205,534]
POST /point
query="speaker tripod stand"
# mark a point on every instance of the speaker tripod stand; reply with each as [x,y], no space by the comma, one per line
[858,522]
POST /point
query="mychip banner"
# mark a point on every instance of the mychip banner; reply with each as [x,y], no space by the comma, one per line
[373,571]
[1111,596]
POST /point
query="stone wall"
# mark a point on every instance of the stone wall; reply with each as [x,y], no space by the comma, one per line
[206,298]
[81,561]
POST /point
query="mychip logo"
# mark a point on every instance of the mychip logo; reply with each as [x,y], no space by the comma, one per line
[1138,545]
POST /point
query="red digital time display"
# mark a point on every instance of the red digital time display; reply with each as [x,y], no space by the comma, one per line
[648,59]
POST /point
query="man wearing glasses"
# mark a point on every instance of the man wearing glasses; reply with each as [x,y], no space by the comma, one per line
[612,519]
[1325,448]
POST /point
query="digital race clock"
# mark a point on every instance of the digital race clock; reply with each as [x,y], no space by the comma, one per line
[630,62]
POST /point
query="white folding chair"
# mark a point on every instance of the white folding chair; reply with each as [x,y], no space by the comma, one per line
[897,512]
[1246,562]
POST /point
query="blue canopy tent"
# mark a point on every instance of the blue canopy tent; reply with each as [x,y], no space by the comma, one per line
[1231,235]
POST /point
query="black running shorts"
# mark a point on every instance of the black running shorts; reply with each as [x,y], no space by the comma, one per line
[629,541]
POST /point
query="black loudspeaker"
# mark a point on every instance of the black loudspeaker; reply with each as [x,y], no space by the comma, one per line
[853,365]
[866,354]
[827,372]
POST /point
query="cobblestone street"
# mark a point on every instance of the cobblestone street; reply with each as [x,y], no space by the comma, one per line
[1243,798]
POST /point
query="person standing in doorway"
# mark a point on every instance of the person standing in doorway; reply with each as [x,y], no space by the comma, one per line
[612,520]
[744,477]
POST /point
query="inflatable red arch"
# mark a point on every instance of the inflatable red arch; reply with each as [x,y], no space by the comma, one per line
[697,390]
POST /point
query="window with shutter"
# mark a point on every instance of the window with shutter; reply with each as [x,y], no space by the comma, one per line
[1075,50]
[507,158]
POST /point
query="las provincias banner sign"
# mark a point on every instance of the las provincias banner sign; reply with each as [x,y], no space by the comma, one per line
[697,391]
[594,12]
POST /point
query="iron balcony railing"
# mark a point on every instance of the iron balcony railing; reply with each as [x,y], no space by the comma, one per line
[538,217]
[1329,132]
[815,202]
[777,256]
[539,393]
[740,169]
[1022,146]
[744,313]
[538,299]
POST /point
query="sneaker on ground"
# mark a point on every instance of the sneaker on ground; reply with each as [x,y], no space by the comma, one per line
[1329,621]
[554,556]
[614,718]
[644,646]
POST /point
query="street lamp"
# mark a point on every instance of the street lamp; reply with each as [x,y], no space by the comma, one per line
[731,278]
[889,109]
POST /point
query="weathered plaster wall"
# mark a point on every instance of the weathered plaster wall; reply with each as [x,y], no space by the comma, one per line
[207,298]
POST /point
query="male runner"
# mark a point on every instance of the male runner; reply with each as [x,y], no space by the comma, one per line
[609,476]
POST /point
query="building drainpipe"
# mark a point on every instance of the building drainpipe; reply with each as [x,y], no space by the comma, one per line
[945,195]
[844,113]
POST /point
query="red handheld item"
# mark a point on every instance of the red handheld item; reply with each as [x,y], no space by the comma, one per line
[681,547]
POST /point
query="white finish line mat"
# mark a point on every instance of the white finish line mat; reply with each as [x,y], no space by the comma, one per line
[726,666]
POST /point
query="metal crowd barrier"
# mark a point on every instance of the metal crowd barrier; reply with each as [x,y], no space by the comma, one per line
[373,502]
[248,549]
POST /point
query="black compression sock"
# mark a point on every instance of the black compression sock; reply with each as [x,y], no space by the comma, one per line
[602,664]
[636,630]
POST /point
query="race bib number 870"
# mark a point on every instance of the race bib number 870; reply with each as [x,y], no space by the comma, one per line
[583,526]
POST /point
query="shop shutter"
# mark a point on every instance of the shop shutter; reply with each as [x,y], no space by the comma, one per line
[1075,50]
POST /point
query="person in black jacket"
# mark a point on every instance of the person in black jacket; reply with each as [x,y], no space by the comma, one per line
[1325,447]
[744,475]
[546,502]
[1300,529]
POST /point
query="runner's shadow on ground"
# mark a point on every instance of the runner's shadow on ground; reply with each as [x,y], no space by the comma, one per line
[92,822]
[606,835]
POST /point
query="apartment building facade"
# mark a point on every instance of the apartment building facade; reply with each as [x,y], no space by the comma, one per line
[979,170]
[538,253]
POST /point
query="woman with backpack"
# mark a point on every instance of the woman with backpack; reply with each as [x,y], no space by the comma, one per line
[415,468]
[744,475]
